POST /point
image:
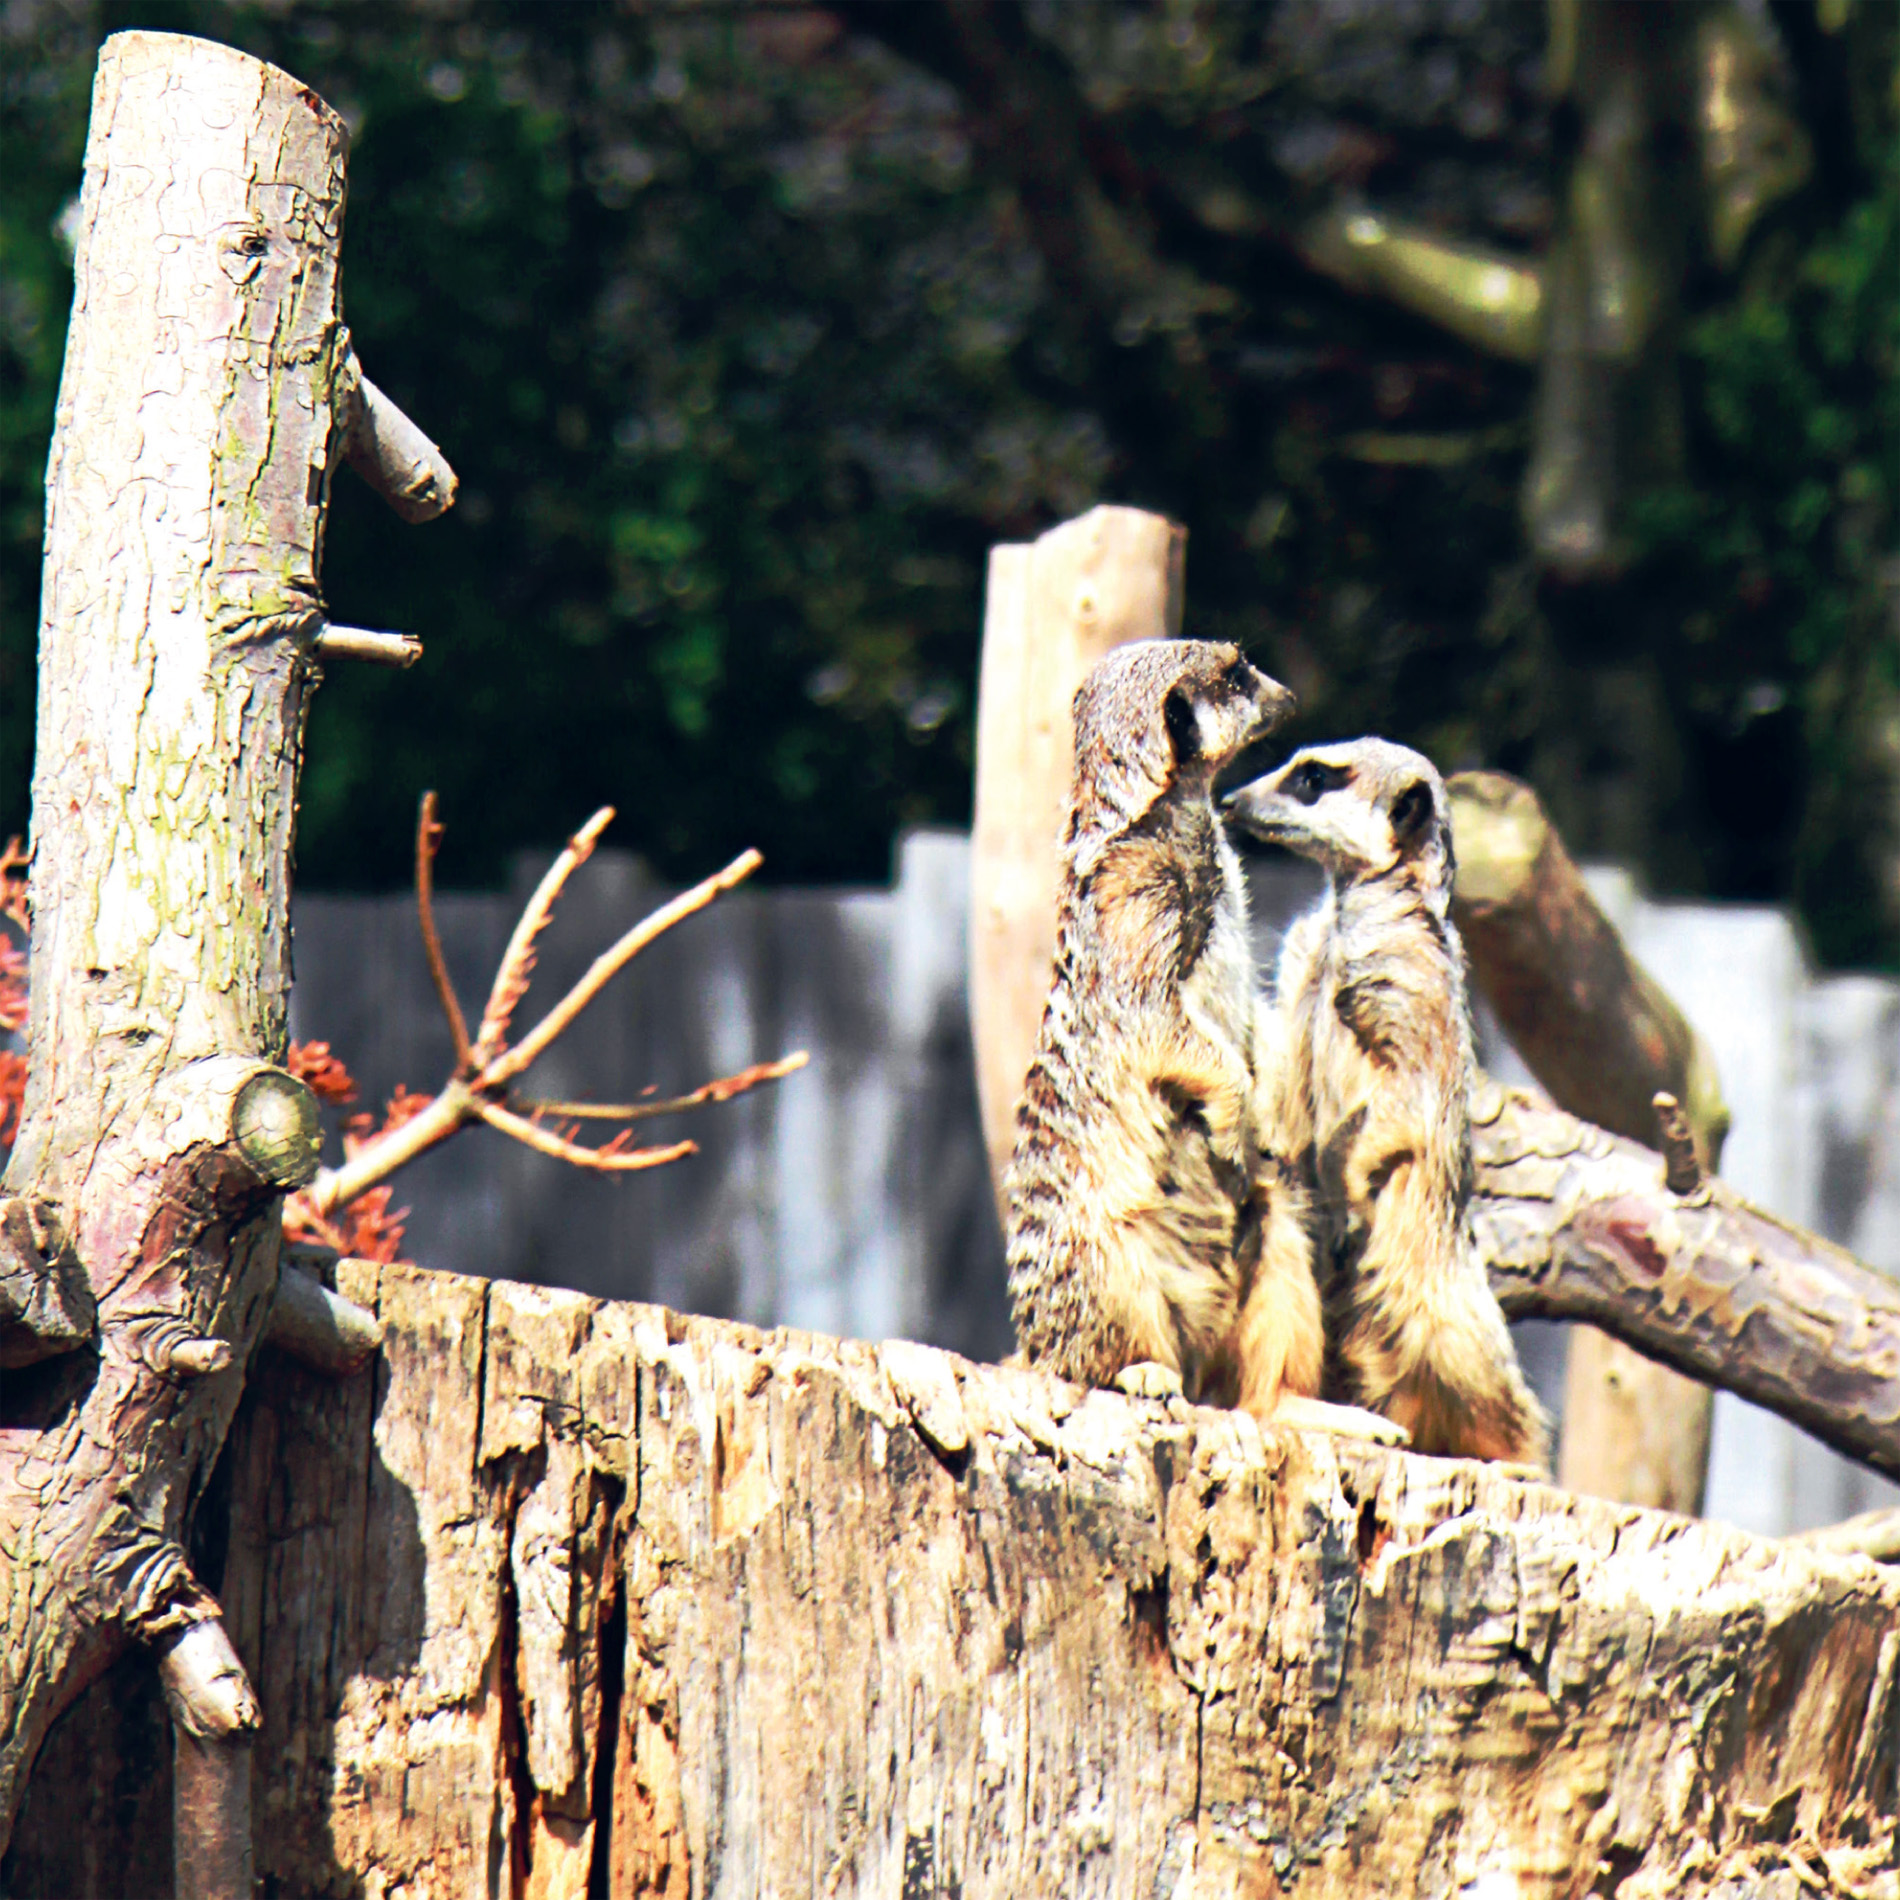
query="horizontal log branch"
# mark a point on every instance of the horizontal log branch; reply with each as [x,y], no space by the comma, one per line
[1874,1534]
[1577,1224]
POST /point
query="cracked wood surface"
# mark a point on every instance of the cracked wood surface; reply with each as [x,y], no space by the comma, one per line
[566,1590]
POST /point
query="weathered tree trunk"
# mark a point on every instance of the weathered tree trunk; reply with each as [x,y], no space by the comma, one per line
[1054,608]
[208,393]
[1599,1032]
[673,1606]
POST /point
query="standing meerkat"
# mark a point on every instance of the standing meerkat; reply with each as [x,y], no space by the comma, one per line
[1144,1231]
[1374,1094]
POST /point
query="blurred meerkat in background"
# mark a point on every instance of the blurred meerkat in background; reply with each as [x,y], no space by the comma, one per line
[1369,1092]
[1150,1242]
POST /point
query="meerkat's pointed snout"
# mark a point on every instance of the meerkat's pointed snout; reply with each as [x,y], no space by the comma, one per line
[1265,810]
[1276,703]
[1359,807]
[1250,808]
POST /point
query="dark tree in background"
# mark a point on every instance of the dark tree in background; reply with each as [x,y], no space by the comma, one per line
[749,328]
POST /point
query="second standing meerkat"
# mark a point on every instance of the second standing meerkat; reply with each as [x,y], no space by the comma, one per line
[1144,1229]
[1376,1068]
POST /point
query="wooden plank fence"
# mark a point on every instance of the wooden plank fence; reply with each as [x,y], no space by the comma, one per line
[853,1198]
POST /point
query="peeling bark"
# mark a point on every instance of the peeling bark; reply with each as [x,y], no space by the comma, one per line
[203,407]
[678,1607]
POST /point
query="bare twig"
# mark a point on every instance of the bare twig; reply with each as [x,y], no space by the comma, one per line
[517,961]
[379,1157]
[723,1090]
[428,837]
[610,962]
[477,1091]
[609,1160]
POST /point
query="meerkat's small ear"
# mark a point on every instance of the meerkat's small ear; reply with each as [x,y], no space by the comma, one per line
[1412,815]
[1184,729]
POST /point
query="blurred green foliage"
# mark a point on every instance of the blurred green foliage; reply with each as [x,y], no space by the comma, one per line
[1779,573]
[748,338]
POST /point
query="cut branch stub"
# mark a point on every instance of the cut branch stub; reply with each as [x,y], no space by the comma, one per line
[1682,1166]
[275,1124]
[390,452]
[398,650]
[320,1327]
[46,1306]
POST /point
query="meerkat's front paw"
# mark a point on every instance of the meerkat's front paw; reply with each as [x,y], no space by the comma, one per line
[1149,1379]
[1346,1421]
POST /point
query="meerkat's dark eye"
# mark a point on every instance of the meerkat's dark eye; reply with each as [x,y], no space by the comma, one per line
[1184,731]
[1313,780]
[1238,678]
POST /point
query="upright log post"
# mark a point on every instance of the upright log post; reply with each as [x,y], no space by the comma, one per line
[1598,1031]
[209,391]
[1055,606]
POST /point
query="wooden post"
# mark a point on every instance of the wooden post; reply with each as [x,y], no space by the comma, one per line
[1054,608]
[1598,1031]
[209,392]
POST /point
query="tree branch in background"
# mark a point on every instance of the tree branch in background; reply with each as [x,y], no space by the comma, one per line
[1836,63]
[1598,1031]
[1121,239]
[1574,1223]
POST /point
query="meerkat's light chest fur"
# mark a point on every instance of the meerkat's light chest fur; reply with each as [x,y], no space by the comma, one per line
[1139,1227]
[1373,1097]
